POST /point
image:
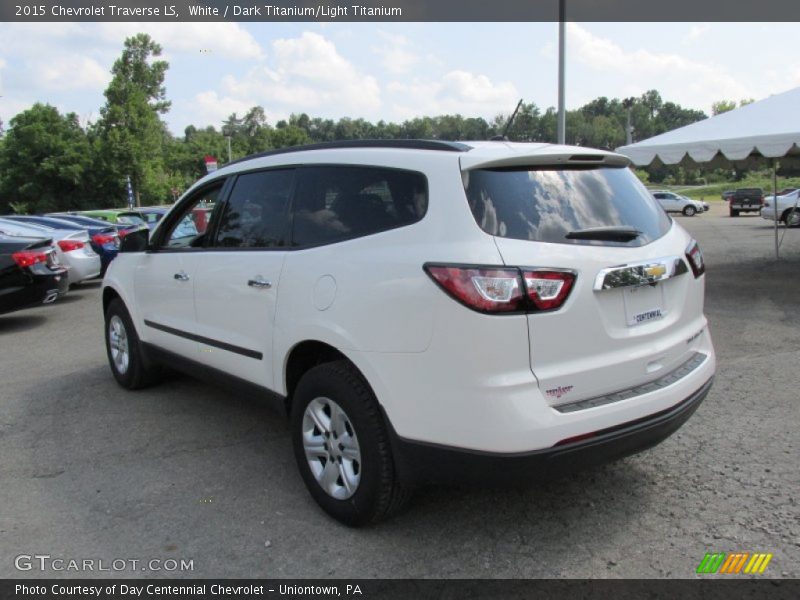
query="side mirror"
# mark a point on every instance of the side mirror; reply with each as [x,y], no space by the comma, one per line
[135,241]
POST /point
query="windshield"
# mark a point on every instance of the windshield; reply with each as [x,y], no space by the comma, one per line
[546,204]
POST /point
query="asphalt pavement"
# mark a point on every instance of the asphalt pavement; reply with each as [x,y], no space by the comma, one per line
[188,472]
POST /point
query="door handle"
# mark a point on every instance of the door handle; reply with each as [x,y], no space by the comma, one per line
[181,276]
[260,283]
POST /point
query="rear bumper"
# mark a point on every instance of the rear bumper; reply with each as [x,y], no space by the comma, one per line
[429,463]
[33,291]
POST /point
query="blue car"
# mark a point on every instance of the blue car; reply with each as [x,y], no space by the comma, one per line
[103,238]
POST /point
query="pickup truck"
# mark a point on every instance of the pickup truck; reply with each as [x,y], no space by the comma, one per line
[745,200]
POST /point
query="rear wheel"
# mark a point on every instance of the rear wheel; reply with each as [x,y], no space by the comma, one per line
[791,217]
[128,363]
[342,446]
[689,210]
[733,213]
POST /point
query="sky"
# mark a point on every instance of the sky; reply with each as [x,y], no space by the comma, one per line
[396,71]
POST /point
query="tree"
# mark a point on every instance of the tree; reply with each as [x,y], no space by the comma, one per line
[131,137]
[722,106]
[43,161]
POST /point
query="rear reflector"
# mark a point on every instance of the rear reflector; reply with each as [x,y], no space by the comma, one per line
[70,245]
[28,258]
[503,289]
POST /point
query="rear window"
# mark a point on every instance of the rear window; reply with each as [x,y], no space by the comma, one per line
[544,205]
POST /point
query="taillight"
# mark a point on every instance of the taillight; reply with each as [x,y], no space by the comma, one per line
[503,289]
[28,258]
[70,245]
[101,239]
[548,289]
[485,289]
[695,257]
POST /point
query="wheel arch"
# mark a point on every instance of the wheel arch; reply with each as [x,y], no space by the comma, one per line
[307,354]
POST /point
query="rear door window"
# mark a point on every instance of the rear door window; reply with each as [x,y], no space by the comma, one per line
[546,204]
[334,203]
[255,215]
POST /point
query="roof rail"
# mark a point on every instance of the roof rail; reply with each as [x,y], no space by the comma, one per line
[439,145]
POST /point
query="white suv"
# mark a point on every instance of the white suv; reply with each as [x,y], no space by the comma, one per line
[672,202]
[425,311]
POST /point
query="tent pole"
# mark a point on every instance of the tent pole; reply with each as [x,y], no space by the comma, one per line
[775,202]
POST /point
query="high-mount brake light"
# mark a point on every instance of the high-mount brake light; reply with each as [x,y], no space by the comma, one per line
[695,257]
[485,289]
[548,290]
[503,289]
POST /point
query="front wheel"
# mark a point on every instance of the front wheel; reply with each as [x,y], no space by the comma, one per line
[689,211]
[128,363]
[341,445]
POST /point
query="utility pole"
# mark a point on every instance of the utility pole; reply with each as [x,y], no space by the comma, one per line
[628,105]
[562,42]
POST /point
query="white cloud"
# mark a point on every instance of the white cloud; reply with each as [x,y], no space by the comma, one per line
[396,54]
[70,72]
[307,73]
[458,91]
[696,32]
[688,81]
[228,40]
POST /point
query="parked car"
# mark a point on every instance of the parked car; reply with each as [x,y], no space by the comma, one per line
[152,215]
[672,202]
[121,228]
[425,310]
[72,247]
[29,273]
[727,194]
[103,238]
[745,200]
[788,209]
[119,216]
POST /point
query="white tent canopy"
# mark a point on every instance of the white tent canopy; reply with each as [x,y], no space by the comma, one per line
[770,128]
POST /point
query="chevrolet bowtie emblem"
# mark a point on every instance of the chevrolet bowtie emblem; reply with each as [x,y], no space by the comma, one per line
[655,270]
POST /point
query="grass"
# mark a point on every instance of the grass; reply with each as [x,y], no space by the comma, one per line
[714,191]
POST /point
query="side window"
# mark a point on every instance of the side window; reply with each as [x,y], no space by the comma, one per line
[181,229]
[342,202]
[255,214]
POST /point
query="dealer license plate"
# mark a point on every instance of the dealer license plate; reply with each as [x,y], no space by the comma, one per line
[644,304]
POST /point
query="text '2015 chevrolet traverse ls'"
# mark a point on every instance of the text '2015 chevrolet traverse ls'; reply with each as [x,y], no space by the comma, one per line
[425,311]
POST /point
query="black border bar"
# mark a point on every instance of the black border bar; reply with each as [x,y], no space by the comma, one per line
[707,587]
[329,11]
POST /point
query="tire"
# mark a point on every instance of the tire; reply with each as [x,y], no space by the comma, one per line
[791,218]
[128,363]
[733,213]
[355,483]
[689,211]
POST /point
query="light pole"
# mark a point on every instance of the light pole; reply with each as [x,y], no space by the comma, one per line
[628,105]
[562,42]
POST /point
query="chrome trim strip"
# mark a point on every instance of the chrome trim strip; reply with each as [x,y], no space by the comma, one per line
[691,364]
[641,273]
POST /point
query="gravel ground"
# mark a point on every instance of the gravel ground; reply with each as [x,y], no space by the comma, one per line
[187,471]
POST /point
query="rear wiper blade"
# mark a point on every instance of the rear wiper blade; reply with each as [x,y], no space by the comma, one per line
[606,234]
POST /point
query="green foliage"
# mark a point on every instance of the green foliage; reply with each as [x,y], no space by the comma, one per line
[130,136]
[43,161]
